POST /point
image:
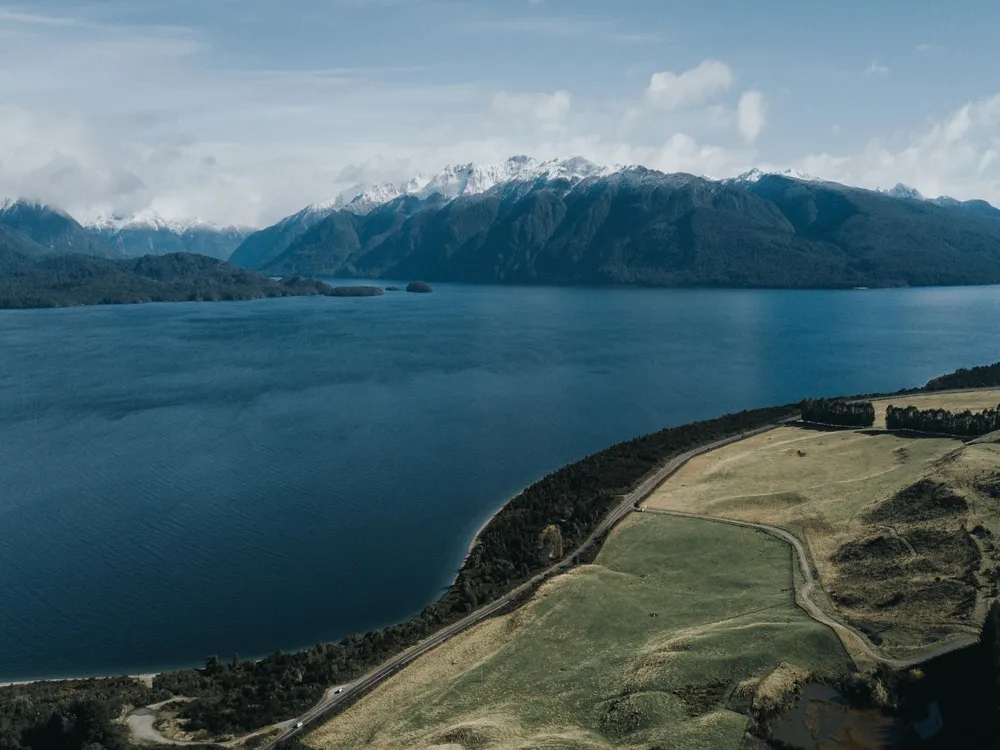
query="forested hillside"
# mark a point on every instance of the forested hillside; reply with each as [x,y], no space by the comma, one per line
[60,280]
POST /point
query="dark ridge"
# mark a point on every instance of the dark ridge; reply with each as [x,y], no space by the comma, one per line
[921,501]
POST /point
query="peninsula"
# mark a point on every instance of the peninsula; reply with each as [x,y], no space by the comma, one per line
[574,537]
[63,280]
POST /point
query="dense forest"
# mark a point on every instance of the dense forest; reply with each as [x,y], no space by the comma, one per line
[838,412]
[986,376]
[962,424]
[60,280]
[70,715]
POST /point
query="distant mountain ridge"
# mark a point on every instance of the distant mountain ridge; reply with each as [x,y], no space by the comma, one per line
[586,224]
[148,233]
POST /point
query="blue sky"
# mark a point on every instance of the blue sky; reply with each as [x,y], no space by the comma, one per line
[245,110]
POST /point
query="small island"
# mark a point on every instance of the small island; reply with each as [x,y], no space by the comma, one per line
[419,287]
[66,280]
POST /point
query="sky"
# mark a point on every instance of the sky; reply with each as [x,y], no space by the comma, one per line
[244,111]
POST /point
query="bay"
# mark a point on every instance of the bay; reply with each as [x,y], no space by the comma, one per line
[179,480]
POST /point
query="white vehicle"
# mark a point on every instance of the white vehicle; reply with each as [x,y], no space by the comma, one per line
[299,725]
[338,691]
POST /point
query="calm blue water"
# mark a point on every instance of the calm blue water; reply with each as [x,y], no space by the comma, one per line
[178,480]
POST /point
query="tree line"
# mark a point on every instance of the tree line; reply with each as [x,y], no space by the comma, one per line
[962,424]
[986,376]
[838,412]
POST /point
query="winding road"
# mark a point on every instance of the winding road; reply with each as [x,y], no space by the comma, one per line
[802,596]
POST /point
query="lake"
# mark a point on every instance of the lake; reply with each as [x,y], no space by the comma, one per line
[179,480]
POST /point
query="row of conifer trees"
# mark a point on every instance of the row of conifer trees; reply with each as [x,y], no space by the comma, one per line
[862,414]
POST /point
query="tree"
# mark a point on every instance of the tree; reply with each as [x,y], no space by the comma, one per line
[835,412]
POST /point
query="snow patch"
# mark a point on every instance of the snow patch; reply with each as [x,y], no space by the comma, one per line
[902,191]
[755,174]
[453,181]
[152,221]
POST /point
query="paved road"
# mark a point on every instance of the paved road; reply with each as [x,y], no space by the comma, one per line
[803,592]
[628,505]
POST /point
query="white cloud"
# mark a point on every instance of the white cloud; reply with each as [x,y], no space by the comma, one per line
[876,68]
[751,114]
[718,117]
[671,91]
[956,156]
[682,153]
[547,110]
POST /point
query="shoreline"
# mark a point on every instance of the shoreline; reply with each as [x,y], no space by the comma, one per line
[146,677]
[484,524]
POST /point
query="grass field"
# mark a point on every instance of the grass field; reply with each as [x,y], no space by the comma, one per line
[954,402]
[885,518]
[642,649]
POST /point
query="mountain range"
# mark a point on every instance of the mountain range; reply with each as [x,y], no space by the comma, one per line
[574,222]
[570,221]
[35,228]
[150,234]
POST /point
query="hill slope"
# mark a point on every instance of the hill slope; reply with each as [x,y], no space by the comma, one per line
[638,226]
[51,228]
[13,241]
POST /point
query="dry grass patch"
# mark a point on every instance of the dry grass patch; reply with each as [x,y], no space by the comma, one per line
[778,688]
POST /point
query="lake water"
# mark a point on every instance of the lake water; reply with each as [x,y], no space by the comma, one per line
[178,480]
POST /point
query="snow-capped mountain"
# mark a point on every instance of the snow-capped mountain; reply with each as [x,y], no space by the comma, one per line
[755,174]
[451,182]
[151,220]
[902,191]
[461,179]
[149,233]
[906,192]
[13,206]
